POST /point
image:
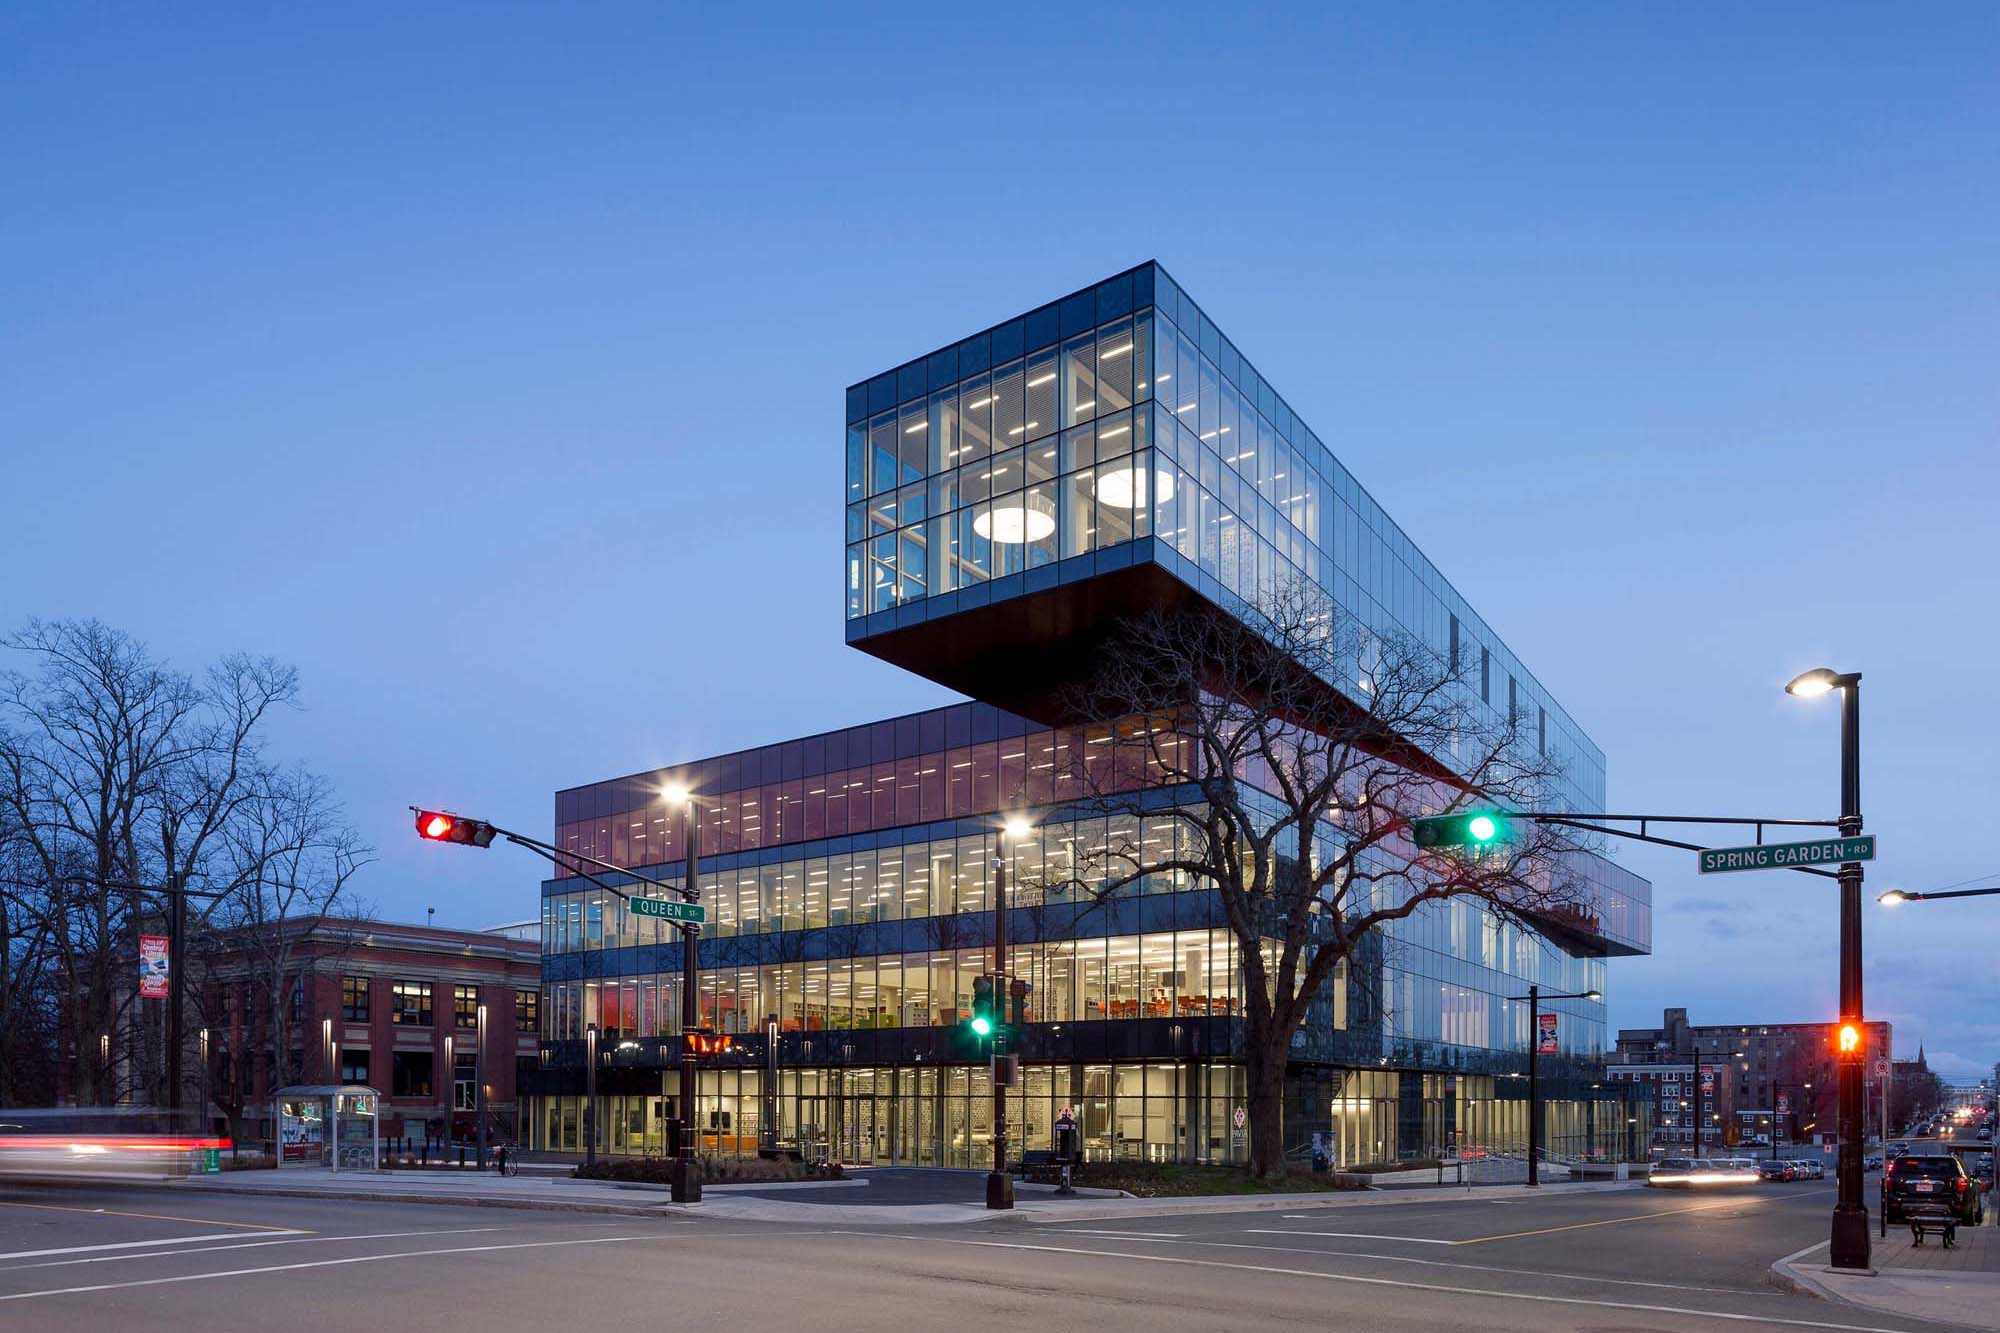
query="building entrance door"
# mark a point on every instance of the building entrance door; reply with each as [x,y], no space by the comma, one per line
[813,1129]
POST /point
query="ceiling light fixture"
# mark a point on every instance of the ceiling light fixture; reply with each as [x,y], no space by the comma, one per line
[1016,524]
[1124,488]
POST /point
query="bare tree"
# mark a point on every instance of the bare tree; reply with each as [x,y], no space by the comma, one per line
[118,771]
[290,859]
[1300,748]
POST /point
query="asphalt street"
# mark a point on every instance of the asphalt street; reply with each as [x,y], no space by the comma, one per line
[1634,1259]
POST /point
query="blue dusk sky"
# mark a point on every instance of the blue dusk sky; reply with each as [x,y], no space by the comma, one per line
[487,363]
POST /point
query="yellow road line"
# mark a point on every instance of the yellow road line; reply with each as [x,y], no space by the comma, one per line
[152,1217]
[1601,1222]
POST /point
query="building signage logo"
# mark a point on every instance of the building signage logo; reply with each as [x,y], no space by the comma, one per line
[153,967]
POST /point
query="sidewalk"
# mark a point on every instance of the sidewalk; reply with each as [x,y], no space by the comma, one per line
[1956,1286]
[809,1202]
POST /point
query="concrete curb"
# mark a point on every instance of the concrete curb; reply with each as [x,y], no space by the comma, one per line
[449,1200]
[1785,1275]
[1245,1203]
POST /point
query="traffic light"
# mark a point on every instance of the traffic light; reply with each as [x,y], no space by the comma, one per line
[437,826]
[1847,1040]
[985,1015]
[1468,828]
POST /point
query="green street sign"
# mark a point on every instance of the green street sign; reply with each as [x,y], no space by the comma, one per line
[1780,855]
[667,909]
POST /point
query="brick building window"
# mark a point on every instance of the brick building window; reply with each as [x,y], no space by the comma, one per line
[528,1011]
[354,999]
[412,1003]
[354,1066]
[465,1005]
[410,1074]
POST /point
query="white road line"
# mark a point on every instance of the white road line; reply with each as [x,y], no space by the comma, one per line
[246,1244]
[1482,1268]
[138,1244]
[1137,1235]
[1412,1286]
[1345,1235]
[315,1263]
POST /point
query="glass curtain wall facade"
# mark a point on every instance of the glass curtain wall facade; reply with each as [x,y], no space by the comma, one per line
[849,875]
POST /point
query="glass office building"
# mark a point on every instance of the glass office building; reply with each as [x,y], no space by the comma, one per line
[1007,497]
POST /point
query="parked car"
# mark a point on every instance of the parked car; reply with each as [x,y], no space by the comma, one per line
[1811,1168]
[1772,1168]
[1914,1180]
[1872,1162]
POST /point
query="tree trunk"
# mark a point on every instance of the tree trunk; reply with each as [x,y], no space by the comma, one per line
[1265,1076]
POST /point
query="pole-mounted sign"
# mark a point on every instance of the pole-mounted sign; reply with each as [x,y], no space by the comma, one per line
[666,909]
[1788,855]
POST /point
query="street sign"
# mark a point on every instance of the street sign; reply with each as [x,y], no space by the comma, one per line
[1547,1037]
[1779,855]
[666,909]
[1784,1103]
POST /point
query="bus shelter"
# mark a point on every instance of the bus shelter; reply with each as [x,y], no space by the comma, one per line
[337,1125]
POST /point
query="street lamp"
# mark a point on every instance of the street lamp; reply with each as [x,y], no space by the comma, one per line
[686,1179]
[1534,998]
[1849,1245]
[1000,1185]
[1896,897]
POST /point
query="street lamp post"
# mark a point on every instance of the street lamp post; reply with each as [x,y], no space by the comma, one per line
[686,1177]
[204,1126]
[1000,1185]
[1849,1242]
[1534,998]
[1777,1117]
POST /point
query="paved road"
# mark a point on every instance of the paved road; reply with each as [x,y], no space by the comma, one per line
[137,1259]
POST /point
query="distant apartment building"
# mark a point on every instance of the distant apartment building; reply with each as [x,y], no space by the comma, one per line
[1746,1078]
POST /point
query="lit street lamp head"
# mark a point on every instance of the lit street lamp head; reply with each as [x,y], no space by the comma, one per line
[674,793]
[1818,681]
[1016,827]
[1892,897]
[1593,995]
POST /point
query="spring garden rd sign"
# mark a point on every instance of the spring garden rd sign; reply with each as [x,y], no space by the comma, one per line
[1781,855]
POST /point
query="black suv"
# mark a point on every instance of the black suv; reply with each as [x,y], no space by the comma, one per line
[1912,1181]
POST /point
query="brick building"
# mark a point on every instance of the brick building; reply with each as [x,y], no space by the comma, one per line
[379,1003]
[1753,1067]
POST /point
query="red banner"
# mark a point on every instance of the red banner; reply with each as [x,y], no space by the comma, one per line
[1547,1037]
[153,965]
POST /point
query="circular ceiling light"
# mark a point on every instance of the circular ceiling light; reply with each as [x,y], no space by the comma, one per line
[1122,487]
[1012,523]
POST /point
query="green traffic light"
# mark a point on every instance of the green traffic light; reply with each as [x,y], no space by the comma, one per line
[1482,828]
[982,1026]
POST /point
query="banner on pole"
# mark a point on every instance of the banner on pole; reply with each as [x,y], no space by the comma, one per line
[1546,1039]
[153,965]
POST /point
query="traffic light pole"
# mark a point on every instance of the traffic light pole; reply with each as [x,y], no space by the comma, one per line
[999,1185]
[687,1174]
[1850,1245]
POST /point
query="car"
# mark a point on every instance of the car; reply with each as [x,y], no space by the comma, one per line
[1811,1168]
[1772,1168]
[1897,1148]
[1986,1134]
[1915,1180]
[1872,1162]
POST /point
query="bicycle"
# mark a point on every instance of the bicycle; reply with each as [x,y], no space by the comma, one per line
[506,1162]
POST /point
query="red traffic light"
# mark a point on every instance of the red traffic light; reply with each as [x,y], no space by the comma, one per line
[438,826]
